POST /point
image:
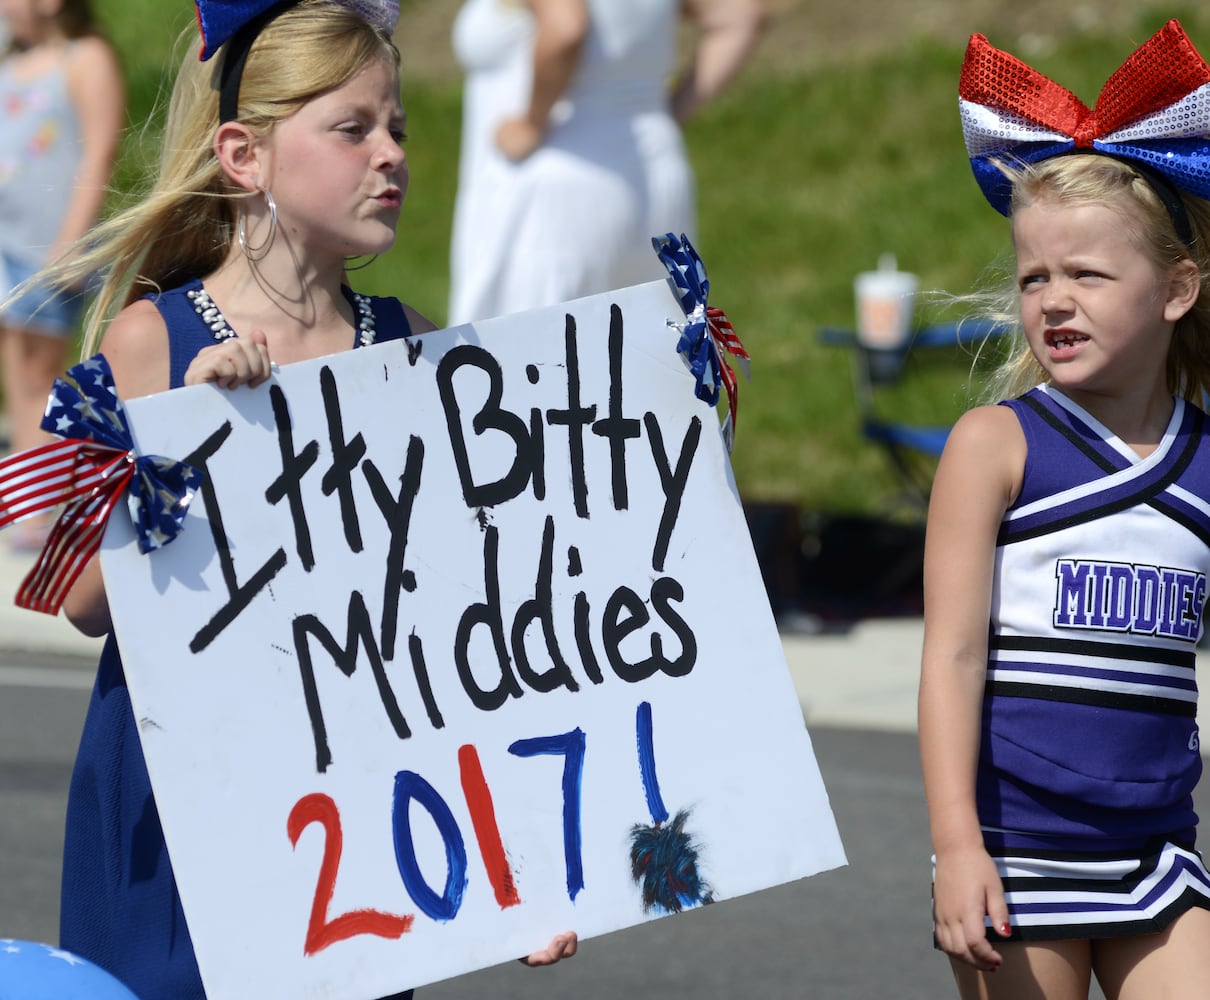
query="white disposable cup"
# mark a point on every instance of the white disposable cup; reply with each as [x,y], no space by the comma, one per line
[885,304]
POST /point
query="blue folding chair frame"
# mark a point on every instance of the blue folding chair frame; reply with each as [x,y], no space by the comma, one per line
[911,448]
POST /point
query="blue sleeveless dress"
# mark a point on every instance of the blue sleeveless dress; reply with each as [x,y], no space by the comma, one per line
[120,908]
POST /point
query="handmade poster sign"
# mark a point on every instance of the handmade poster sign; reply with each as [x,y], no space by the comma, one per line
[463,644]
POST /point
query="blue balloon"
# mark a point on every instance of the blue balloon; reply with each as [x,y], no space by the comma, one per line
[33,971]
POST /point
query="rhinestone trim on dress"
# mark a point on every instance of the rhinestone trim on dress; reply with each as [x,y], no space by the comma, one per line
[209,314]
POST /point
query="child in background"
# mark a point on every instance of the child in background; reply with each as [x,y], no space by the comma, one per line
[282,158]
[61,109]
[1068,552]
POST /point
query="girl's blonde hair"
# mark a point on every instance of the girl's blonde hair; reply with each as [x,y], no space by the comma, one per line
[184,226]
[1094,179]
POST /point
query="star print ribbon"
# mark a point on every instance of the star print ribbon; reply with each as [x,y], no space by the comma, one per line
[220,19]
[707,337]
[1154,110]
[87,473]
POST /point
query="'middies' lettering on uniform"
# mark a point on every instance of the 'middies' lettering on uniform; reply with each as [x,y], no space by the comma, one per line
[1127,597]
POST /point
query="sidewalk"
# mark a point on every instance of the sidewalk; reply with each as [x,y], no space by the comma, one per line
[864,678]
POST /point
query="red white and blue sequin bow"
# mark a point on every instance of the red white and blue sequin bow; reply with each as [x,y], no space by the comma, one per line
[1154,110]
[87,472]
[707,336]
[220,19]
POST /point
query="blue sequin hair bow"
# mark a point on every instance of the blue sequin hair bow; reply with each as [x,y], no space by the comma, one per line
[236,23]
[219,20]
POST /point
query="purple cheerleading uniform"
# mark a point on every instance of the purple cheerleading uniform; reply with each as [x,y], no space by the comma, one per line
[1090,748]
[120,908]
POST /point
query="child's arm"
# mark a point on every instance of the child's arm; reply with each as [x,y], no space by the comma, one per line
[561,29]
[136,347]
[232,362]
[561,946]
[978,477]
[94,83]
[729,30]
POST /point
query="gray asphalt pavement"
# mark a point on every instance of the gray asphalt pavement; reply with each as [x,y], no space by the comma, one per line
[42,703]
[857,932]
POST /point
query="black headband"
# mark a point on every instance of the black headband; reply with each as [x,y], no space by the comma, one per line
[235,55]
[1170,198]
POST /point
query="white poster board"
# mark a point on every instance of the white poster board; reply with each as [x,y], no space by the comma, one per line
[470,615]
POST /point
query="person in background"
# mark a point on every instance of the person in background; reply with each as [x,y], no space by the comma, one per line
[273,175]
[572,156]
[63,104]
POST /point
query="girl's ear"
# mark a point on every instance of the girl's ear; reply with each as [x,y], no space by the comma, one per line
[1184,286]
[240,154]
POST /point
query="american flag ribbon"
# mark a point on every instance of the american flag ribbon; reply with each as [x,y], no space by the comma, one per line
[86,474]
[707,337]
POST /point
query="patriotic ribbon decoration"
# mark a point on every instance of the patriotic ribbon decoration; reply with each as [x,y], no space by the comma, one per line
[220,19]
[707,337]
[1154,110]
[87,472]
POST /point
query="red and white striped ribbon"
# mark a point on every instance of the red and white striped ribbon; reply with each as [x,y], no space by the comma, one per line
[727,342]
[83,477]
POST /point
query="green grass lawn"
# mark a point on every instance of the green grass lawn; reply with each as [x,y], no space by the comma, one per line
[803,180]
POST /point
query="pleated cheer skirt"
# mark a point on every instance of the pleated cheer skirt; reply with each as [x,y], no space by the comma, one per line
[1056,894]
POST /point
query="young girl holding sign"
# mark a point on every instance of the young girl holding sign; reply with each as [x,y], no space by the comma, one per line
[1060,746]
[282,159]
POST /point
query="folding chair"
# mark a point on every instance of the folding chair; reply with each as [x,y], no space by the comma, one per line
[912,449]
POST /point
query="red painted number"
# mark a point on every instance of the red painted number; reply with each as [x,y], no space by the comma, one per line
[487,832]
[322,932]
